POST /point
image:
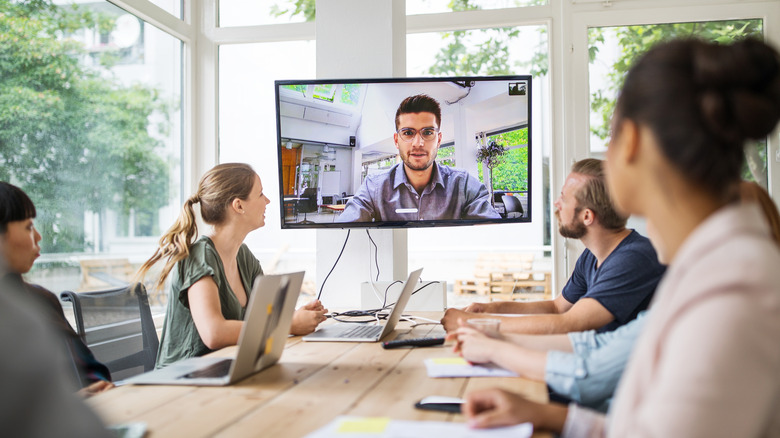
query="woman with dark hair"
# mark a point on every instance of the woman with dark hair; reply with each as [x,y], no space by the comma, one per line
[212,276]
[707,360]
[19,249]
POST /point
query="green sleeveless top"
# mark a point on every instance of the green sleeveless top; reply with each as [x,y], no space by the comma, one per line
[180,338]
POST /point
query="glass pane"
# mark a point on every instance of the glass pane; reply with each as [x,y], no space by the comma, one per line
[256,12]
[414,7]
[172,7]
[350,94]
[446,155]
[247,108]
[487,52]
[324,92]
[91,131]
[478,52]
[509,175]
[613,51]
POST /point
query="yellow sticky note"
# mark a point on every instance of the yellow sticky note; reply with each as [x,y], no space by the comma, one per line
[270,308]
[269,345]
[450,361]
[364,425]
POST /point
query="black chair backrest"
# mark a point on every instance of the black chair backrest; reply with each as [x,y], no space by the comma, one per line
[117,325]
[512,205]
[309,203]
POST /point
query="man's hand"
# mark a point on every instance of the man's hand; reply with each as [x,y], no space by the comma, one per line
[497,407]
[307,318]
[479,308]
[451,317]
[473,345]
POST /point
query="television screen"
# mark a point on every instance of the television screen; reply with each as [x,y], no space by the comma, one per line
[404,152]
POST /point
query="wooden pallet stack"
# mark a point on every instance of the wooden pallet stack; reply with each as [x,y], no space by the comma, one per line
[506,276]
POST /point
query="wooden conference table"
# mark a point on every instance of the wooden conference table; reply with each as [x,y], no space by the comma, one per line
[312,384]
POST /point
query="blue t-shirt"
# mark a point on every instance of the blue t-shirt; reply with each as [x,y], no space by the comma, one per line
[624,284]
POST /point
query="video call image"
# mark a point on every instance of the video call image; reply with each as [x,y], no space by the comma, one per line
[404,152]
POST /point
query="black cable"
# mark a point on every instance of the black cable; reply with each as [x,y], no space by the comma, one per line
[334,265]
[387,289]
[373,313]
[418,290]
[376,254]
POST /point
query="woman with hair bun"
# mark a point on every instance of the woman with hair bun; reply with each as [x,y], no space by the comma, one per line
[707,361]
[212,276]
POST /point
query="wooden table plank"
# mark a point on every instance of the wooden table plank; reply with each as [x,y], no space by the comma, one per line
[330,392]
[313,383]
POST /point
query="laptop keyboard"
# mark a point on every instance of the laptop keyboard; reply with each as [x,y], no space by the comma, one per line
[218,369]
[362,331]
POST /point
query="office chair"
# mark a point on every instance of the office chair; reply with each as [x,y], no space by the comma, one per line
[512,206]
[498,203]
[116,324]
[308,204]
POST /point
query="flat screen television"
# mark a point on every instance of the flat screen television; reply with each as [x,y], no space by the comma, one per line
[374,153]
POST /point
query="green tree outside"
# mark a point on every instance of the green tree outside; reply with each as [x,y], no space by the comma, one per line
[512,174]
[73,137]
[635,40]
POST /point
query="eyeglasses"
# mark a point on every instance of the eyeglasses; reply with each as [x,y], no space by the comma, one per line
[408,134]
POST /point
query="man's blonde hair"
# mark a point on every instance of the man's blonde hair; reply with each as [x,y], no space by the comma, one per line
[594,196]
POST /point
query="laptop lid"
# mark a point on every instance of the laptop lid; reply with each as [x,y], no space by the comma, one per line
[338,331]
[266,323]
[261,341]
[400,305]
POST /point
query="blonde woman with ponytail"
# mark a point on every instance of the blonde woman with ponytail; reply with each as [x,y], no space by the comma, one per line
[211,277]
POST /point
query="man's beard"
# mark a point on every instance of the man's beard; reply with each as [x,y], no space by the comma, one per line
[574,230]
[408,162]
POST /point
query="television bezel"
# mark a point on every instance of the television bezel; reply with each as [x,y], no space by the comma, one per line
[404,224]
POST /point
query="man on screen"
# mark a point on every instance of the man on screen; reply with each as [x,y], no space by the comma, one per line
[418,188]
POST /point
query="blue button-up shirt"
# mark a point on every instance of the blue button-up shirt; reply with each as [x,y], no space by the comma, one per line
[389,196]
[590,375]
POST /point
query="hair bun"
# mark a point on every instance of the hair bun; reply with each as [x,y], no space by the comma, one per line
[740,83]
[756,114]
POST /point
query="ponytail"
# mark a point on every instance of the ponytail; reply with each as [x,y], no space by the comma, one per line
[174,244]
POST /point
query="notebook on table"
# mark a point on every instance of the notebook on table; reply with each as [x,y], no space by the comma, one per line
[263,336]
[357,332]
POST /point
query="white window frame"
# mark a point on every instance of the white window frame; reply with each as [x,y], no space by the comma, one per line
[585,14]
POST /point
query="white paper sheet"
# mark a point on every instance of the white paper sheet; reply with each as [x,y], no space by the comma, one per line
[459,367]
[382,427]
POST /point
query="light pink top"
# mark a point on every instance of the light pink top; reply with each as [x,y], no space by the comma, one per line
[708,361]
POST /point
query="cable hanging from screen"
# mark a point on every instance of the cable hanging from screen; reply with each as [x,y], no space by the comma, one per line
[334,265]
[376,254]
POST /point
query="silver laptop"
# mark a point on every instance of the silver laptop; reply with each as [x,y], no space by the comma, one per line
[356,332]
[261,342]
